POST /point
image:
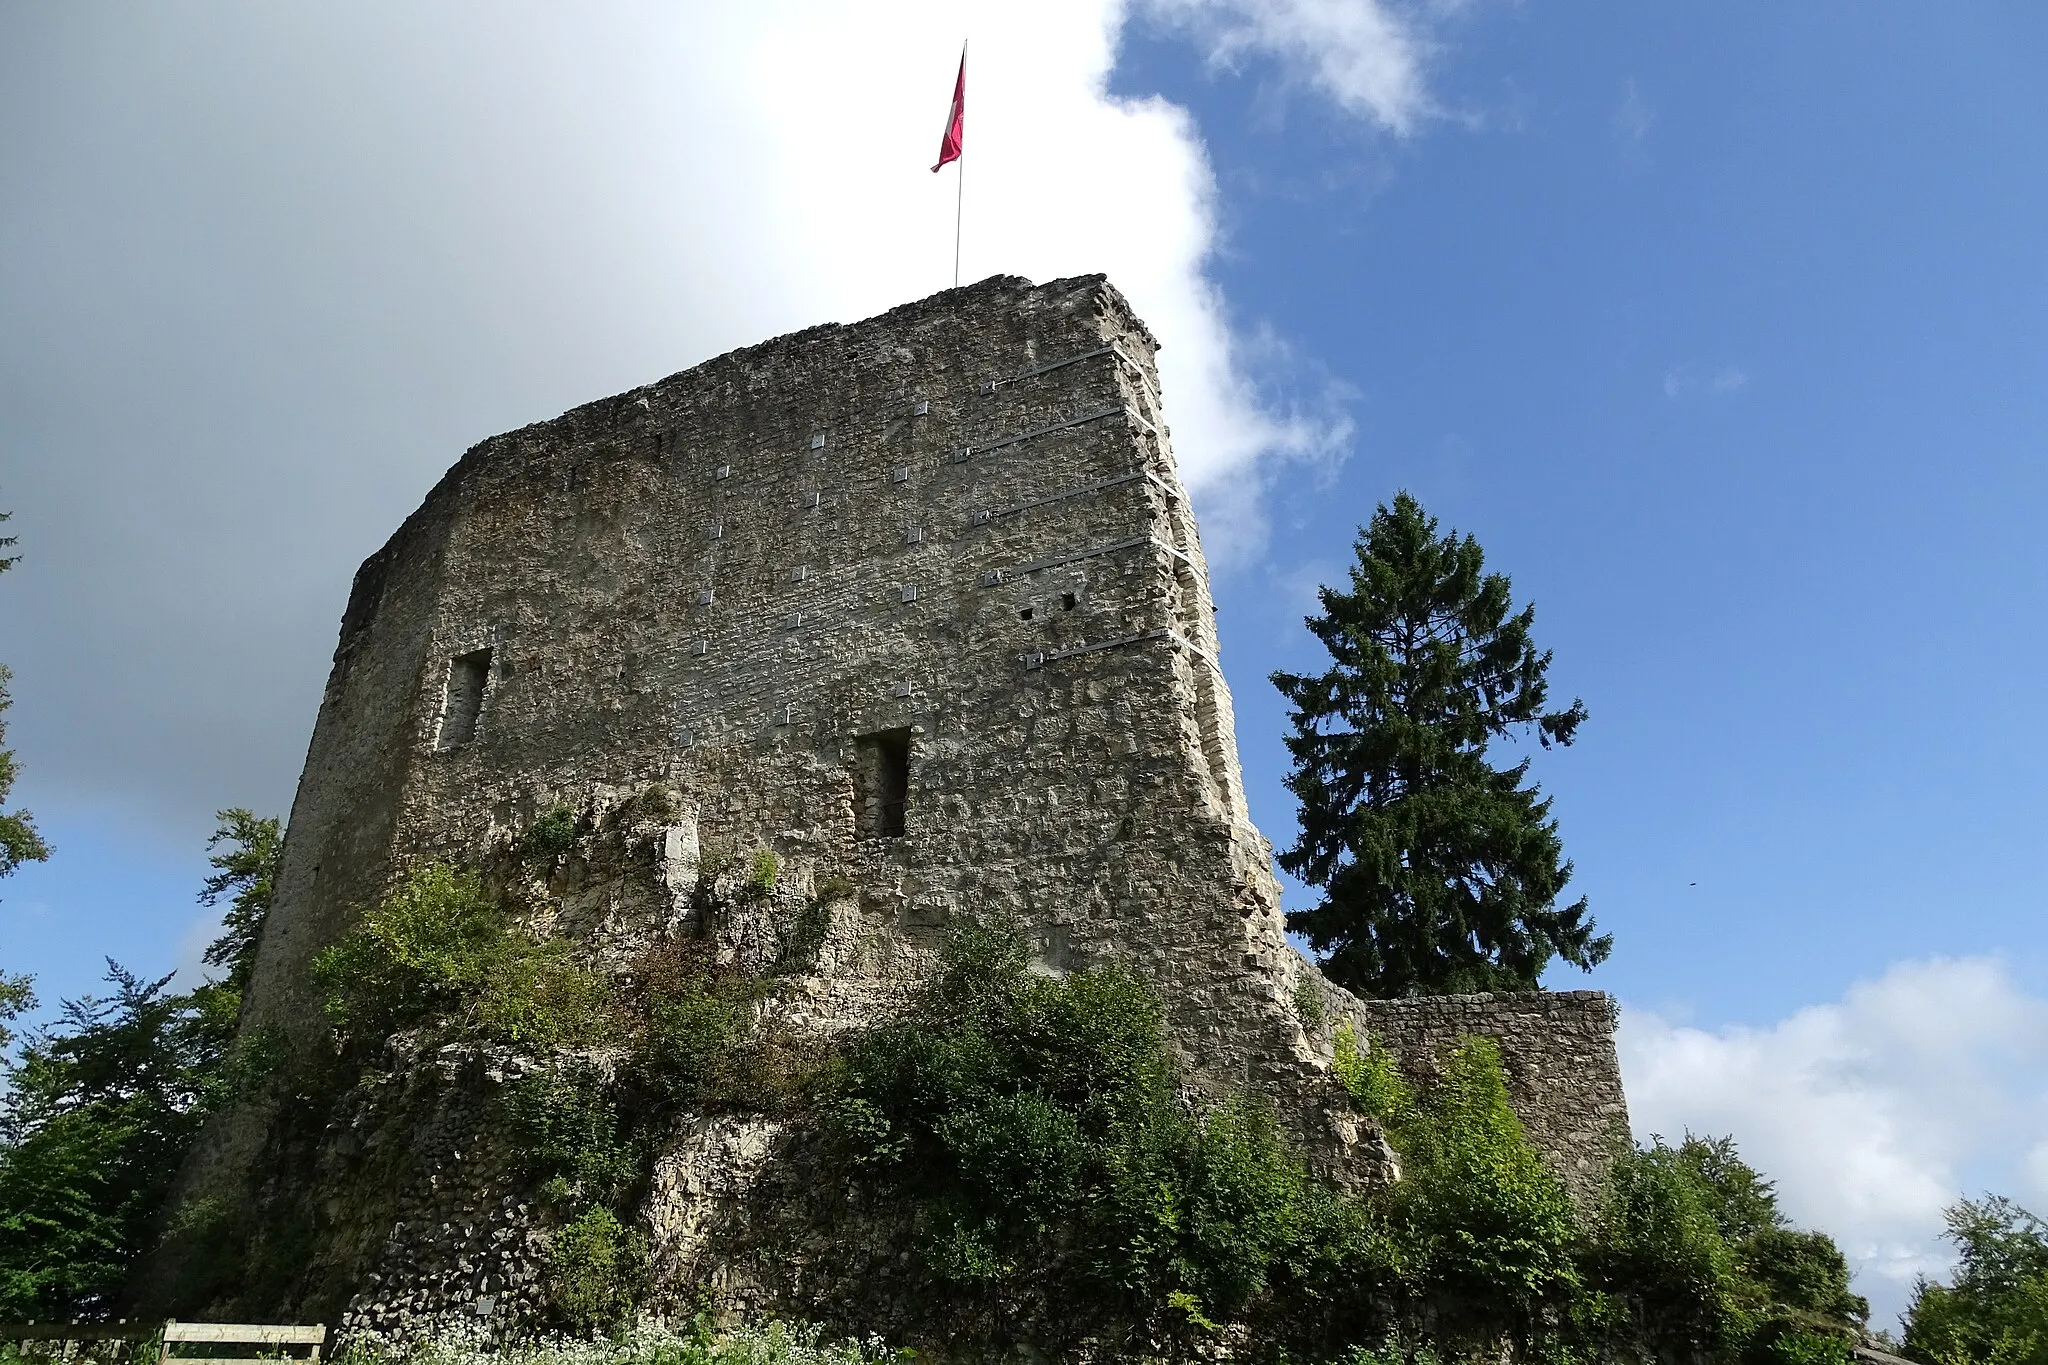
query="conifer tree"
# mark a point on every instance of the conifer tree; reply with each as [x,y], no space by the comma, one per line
[1440,872]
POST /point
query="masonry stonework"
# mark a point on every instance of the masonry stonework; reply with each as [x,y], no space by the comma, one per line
[919,605]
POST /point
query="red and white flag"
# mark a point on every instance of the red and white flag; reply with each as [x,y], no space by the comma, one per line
[956,118]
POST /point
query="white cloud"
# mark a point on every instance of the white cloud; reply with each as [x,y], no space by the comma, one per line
[273,269]
[1363,55]
[1632,118]
[1681,380]
[1873,1113]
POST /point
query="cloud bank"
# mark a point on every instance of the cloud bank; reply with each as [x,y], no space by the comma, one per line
[269,270]
[1873,1113]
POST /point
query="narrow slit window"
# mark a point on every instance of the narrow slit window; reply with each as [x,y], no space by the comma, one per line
[464,699]
[881,784]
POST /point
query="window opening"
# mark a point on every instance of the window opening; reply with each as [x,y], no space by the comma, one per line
[463,700]
[881,784]
[1066,601]
[1025,614]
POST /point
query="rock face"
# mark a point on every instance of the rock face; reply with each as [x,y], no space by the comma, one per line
[919,605]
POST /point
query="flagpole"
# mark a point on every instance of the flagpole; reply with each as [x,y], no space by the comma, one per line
[959,188]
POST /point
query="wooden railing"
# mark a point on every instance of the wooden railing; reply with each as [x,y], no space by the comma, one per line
[274,1344]
[281,1339]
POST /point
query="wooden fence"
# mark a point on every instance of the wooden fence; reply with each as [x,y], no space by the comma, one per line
[168,1343]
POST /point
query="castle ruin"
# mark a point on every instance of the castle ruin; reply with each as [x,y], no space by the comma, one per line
[919,605]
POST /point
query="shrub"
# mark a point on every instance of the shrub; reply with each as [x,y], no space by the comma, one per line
[804,937]
[596,1272]
[1802,1271]
[441,946]
[1492,1230]
[762,874]
[695,1031]
[565,1122]
[552,835]
[422,949]
[1031,1127]
[1662,1252]
[1308,1003]
[1373,1080]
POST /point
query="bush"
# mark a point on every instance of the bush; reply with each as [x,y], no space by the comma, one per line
[440,946]
[1030,1127]
[695,1032]
[1661,1251]
[1491,1235]
[1693,1244]
[1996,1311]
[1804,1272]
[596,1272]
[552,835]
[566,1124]
[1374,1082]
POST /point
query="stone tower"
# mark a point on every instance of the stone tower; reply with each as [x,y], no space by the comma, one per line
[919,605]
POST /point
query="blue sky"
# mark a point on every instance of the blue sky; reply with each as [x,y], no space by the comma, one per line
[1724,327]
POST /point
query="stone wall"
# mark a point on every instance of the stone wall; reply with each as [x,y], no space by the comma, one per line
[943,555]
[1557,1048]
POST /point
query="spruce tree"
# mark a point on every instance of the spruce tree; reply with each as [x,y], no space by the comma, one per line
[1440,872]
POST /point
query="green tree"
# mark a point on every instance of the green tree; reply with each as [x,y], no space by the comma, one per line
[1996,1310]
[245,875]
[1693,1243]
[102,1102]
[99,1109]
[17,997]
[19,841]
[1440,872]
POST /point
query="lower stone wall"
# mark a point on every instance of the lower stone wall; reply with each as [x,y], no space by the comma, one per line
[1557,1048]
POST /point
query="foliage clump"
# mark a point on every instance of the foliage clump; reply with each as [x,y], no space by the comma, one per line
[1694,1247]
[596,1271]
[1995,1311]
[551,835]
[642,1343]
[443,947]
[101,1103]
[1033,1124]
[1057,1183]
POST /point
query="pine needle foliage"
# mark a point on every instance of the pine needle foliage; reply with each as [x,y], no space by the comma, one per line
[1441,873]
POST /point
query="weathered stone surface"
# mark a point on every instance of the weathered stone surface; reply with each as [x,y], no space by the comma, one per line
[919,605]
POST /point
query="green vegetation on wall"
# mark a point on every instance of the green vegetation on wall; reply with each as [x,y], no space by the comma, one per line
[1058,1185]
[1027,1138]
[614,1055]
